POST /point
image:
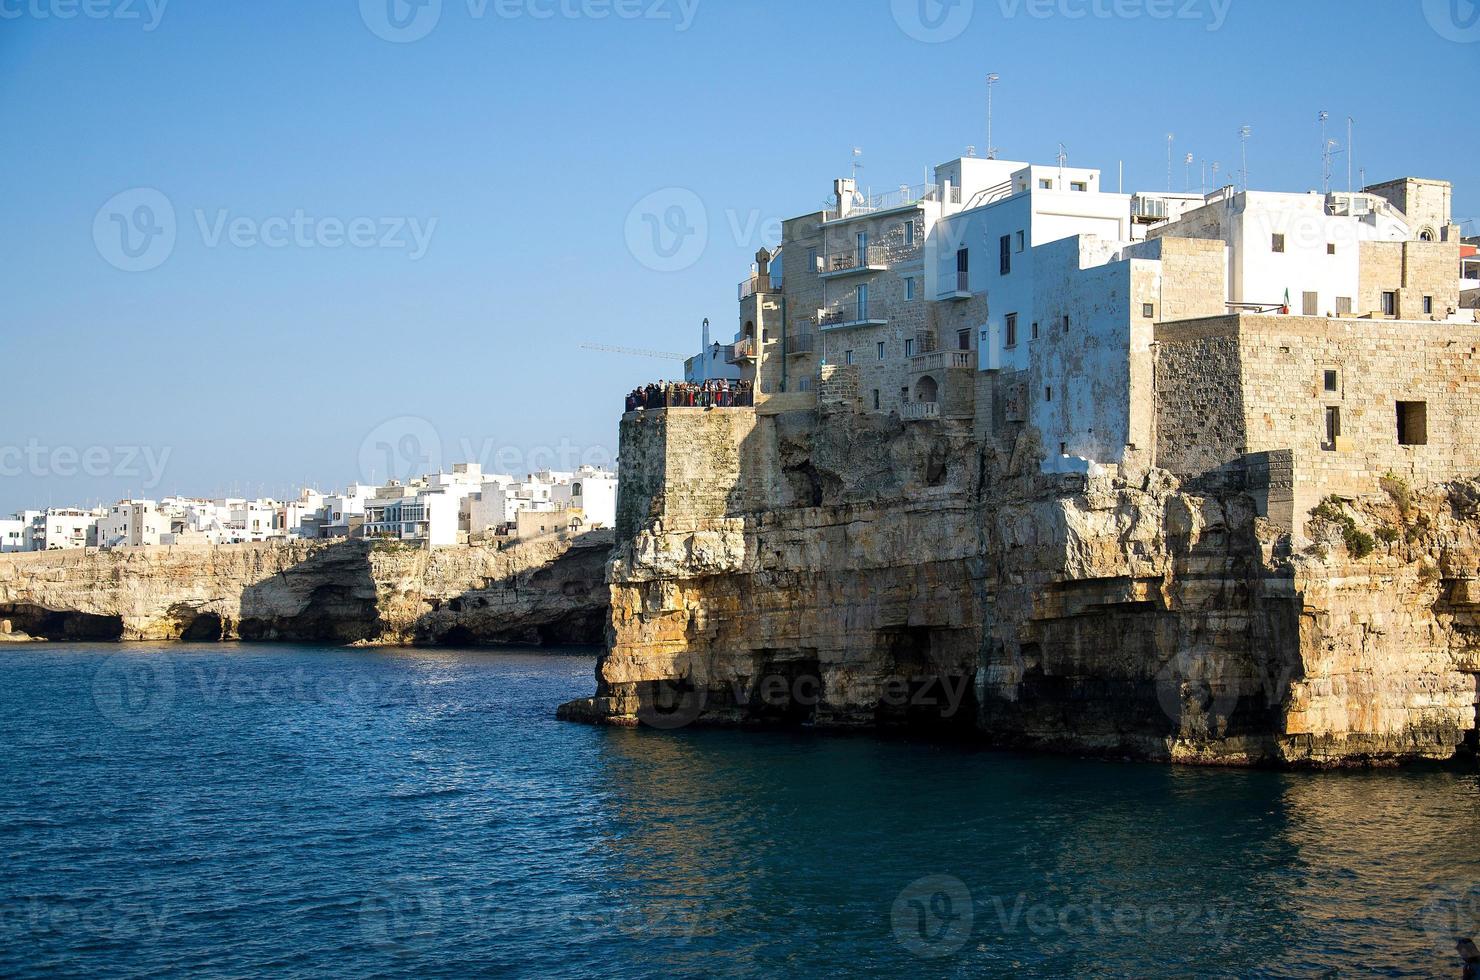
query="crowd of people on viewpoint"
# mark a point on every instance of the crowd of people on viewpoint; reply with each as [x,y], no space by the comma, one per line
[718,393]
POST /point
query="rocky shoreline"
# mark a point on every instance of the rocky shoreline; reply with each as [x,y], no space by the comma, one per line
[549,590]
[897,577]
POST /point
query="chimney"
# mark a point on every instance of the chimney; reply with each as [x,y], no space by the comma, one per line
[843,190]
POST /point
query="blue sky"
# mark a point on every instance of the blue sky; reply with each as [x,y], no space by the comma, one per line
[403,242]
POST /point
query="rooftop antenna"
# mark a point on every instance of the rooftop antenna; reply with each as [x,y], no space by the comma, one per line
[1350,152]
[857,152]
[1063,156]
[1325,154]
[1171,137]
[1187,174]
[971,149]
[1216,167]
[1244,133]
[992,79]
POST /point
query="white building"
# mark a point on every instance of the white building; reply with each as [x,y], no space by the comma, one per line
[132,524]
[593,492]
[65,529]
[13,535]
[429,517]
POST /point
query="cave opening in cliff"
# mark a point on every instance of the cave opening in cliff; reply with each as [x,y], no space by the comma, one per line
[204,628]
[921,693]
[52,625]
[785,690]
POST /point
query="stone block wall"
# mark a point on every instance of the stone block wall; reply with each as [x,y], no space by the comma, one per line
[1412,270]
[683,463]
[1228,386]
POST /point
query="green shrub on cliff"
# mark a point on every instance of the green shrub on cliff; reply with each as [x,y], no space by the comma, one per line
[1359,543]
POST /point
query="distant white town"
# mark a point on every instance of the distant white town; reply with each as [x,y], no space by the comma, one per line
[464,506]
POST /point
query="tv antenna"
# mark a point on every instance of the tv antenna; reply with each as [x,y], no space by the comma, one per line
[1171,138]
[857,154]
[992,79]
[1244,133]
[1350,153]
[1187,174]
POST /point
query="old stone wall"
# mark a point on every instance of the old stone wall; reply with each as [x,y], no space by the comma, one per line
[1414,272]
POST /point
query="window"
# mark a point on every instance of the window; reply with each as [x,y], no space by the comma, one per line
[1011,331]
[1428,304]
[1332,383]
[1343,306]
[1309,303]
[1048,394]
[1005,252]
[1389,304]
[1020,239]
[1413,424]
[1066,323]
[909,348]
[860,295]
[904,393]
[1035,329]
[909,287]
[880,347]
[876,399]
[963,270]
[1063,449]
[1277,243]
[812,260]
[1333,427]
[909,233]
[1045,183]
[847,357]
[963,340]
[1079,185]
[1330,248]
[1148,310]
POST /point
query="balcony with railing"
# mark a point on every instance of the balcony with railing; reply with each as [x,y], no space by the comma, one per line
[956,286]
[920,411]
[853,262]
[905,196]
[942,360]
[801,343]
[849,313]
[741,351]
[758,284]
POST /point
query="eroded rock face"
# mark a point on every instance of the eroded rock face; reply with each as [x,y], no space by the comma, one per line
[911,576]
[549,590]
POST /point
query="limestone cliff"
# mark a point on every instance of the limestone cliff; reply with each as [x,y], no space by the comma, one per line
[886,574]
[550,589]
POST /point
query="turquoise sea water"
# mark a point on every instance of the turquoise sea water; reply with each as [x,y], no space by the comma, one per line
[293,811]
